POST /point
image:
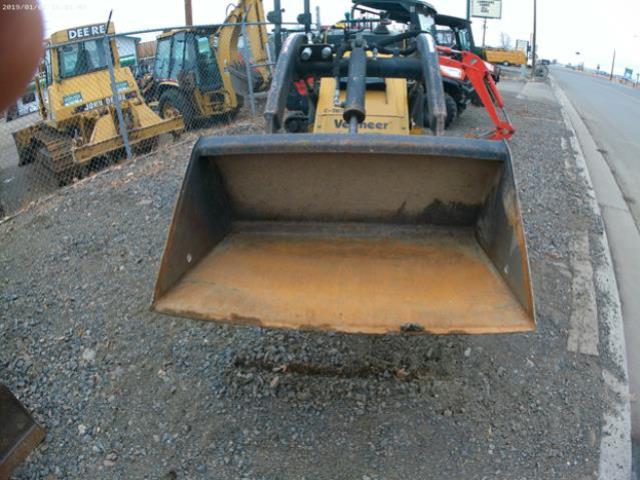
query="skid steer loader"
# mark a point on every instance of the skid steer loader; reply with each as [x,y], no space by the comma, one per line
[79,127]
[199,72]
[369,224]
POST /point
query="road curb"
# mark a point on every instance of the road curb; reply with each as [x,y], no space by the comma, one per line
[615,445]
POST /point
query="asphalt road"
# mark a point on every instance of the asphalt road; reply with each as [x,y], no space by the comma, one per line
[611,112]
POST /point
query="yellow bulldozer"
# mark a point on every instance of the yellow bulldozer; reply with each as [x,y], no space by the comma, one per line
[79,128]
[367,221]
[199,72]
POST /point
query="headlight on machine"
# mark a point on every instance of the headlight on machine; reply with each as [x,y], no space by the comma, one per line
[490,66]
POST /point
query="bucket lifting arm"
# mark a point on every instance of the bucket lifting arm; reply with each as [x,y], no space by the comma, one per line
[299,60]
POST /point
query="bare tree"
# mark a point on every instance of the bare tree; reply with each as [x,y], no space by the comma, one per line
[505,41]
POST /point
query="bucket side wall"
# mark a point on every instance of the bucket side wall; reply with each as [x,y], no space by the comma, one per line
[201,218]
[500,232]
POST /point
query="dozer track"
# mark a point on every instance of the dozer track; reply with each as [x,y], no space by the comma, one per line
[54,153]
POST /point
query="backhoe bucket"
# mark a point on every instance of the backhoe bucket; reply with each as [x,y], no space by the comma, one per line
[352,233]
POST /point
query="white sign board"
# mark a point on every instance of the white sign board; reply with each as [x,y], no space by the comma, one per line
[88,31]
[486,8]
[522,45]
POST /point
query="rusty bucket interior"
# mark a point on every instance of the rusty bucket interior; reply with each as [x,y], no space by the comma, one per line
[350,233]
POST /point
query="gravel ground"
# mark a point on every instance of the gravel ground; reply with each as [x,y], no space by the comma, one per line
[126,393]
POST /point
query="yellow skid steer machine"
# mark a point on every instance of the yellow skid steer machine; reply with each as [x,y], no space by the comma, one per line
[353,227]
[79,126]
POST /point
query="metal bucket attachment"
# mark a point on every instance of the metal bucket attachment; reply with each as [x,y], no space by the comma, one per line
[19,433]
[353,233]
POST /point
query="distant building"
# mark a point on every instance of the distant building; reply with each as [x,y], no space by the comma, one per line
[146,49]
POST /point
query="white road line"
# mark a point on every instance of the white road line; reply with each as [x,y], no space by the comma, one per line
[583,324]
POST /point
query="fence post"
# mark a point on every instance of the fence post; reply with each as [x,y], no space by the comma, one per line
[247,55]
[116,96]
[277,30]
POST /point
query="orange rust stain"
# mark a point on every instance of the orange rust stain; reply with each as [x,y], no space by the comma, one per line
[442,282]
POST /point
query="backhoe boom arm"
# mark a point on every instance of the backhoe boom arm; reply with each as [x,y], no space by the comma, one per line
[480,77]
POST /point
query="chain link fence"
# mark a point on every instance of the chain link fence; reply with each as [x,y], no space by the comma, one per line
[100,98]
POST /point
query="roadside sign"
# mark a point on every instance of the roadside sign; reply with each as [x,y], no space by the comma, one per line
[522,45]
[628,73]
[486,8]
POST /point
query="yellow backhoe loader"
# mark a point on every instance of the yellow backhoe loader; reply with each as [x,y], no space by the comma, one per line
[199,72]
[79,127]
[367,222]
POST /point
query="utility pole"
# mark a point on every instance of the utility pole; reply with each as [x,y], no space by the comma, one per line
[275,17]
[188,14]
[535,37]
[484,32]
[468,10]
[318,22]
[613,64]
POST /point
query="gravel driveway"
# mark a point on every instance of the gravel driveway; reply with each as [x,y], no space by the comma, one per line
[125,393]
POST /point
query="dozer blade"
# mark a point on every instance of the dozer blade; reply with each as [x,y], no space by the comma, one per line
[353,233]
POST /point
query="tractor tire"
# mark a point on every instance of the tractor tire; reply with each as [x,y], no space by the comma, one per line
[452,110]
[173,102]
[296,123]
